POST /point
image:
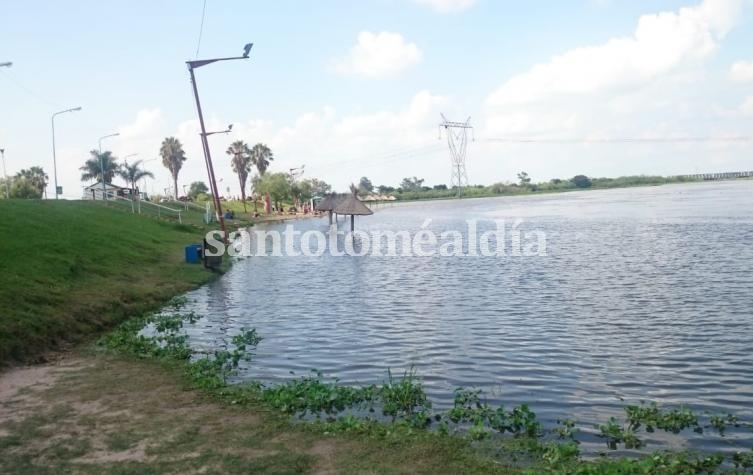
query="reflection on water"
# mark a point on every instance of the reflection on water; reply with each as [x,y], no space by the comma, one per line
[646,293]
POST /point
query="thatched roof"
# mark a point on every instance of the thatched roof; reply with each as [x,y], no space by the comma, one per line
[352,205]
[327,204]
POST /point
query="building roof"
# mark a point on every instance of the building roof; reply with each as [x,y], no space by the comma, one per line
[98,185]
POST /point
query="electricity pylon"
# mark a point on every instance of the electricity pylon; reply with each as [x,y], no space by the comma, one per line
[457,141]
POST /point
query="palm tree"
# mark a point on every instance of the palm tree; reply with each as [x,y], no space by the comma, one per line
[37,178]
[261,155]
[241,163]
[173,157]
[133,173]
[92,171]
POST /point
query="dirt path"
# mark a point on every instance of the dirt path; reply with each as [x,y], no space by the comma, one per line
[97,414]
[103,414]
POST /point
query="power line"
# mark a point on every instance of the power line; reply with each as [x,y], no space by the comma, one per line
[620,140]
[385,157]
[28,91]
[201,28]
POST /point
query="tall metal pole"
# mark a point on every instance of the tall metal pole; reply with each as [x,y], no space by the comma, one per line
[208,157]
[102,171]
[54,158]
[101,164]
[6,64]
[5,175]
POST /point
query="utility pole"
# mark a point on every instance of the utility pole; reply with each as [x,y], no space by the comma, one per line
[54,158]
[5,175]
[6,64]
[204,143]
[457,141]
[101,164]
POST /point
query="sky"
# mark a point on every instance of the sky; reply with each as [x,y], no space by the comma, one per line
[350,89]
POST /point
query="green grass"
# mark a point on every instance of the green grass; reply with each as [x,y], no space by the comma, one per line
[71,269]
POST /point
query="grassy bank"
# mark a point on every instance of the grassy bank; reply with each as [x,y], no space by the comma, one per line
[71,269]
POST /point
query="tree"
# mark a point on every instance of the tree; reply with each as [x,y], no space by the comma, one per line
[241,164]
[92,171]
[276,184]
[197,188]
[581,181]
[386,189]
[319,187]
[441,187]
[132,174]
[36,177]
[365,186]
[525,180]
[411,184]
[5,187]
[302,190]
[23,188]
[173,157]
[261,155]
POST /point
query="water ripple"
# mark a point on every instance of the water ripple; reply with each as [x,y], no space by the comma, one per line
[646,294]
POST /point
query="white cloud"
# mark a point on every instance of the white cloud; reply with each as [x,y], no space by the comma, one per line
[342,148]
[741,71]
[650,84]
[379,55]
[447,6]
[746,108]
[334,147]
[146,121]
[661,44]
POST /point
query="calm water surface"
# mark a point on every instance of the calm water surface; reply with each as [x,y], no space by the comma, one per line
[647,293]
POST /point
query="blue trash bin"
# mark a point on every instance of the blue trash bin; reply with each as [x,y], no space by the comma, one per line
[193,254]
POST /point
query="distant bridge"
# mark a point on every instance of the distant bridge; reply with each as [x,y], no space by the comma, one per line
[718,176]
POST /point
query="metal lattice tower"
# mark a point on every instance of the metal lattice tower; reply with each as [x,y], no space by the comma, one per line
[457,141]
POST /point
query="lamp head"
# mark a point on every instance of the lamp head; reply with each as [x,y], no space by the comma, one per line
[247,49]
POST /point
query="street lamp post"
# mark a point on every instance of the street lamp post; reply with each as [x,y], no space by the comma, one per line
[6,64]
[125,160]
[146,190]
[101,163]
[54,158]
[207,155]
[5,175]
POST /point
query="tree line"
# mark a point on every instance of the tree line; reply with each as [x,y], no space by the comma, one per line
[414,188]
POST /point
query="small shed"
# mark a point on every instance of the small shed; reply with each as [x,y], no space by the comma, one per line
[94,191]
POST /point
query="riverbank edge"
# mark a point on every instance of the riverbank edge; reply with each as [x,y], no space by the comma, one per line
[557,192]
[411,413]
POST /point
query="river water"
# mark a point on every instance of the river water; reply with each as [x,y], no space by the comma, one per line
[645,294]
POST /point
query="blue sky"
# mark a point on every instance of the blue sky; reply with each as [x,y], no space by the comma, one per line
[355,88]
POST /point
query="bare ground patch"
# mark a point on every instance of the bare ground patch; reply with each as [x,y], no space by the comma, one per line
[103,414]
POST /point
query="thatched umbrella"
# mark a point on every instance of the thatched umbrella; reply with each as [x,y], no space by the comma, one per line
[327,204]
[351,205]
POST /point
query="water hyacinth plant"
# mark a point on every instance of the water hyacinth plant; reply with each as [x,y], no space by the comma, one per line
[402,402]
